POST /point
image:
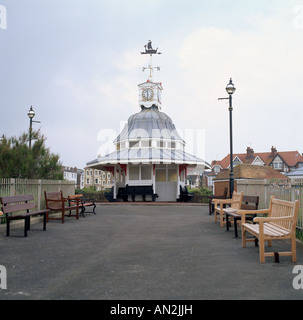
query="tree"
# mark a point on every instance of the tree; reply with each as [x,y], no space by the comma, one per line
[17,160]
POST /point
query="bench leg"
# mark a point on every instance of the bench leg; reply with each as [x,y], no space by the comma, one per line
[293,249]
[262,251]
[44,221]
[243,237]
[227,222]
[26,225]
[236,227]
[7,227]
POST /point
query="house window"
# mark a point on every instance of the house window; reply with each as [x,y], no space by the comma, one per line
[134,173]
[278,165]
[172,175]
[146,173]
[161,175]
[216,169]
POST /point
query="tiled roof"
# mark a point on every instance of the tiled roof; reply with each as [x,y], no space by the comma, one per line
[291,158]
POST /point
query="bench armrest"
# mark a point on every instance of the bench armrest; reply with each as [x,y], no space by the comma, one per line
[244,212]
[223,201]
[272,219]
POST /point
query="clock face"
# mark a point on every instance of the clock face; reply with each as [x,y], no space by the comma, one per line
[148,94]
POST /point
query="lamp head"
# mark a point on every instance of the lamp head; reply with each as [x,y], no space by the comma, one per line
[31,113]
[230,87]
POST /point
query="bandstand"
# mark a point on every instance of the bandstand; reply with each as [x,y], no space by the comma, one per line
[149,151]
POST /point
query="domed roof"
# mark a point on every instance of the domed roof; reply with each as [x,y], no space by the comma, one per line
[150,123]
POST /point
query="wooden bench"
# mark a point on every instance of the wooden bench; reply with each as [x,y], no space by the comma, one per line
[185,196]
[82,202]
[280,223]
[134,191]
[18,208]
[234,204]
[55,202]
[248,203]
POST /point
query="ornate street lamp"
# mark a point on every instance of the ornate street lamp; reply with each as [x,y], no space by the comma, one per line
[230,89]
[31,114]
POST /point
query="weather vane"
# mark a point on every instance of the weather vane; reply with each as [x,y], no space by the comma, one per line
[149,50]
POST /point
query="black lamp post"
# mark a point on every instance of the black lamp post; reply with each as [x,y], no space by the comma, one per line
[230,89]
[31,114]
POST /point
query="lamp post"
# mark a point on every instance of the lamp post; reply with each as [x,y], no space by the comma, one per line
[31,114]
[230,89]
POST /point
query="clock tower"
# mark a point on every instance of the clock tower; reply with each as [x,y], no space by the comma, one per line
[150,92]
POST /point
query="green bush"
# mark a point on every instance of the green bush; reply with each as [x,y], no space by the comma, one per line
[200,191]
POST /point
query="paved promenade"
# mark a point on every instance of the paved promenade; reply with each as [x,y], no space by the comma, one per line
[137,252]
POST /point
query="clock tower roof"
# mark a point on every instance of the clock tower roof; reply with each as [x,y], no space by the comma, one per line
[149,123]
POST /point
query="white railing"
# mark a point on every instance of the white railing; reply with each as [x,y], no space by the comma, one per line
[290,191]
[12,187]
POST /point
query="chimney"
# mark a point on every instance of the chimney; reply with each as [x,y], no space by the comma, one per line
[273,151]
[249,152]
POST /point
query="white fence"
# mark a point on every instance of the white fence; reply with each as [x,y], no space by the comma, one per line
[12,187]
[265,190]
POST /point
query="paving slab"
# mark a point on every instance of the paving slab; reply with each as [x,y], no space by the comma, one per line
[141,252]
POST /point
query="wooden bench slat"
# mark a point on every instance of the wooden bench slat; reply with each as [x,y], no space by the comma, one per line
[18,207]
[14,199]
[269,230]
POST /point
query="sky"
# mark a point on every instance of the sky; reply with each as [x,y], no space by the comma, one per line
[78,64]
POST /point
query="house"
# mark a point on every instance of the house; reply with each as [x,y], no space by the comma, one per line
[284,161]
[246,172]
[296,175]
[97,178]
[69,174]
[73,174]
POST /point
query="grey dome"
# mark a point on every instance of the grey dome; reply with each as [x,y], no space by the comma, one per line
[150,123]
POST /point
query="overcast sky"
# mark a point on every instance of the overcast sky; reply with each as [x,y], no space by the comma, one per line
[78,63]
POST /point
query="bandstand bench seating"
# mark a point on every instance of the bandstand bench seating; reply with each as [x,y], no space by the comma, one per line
[18,208]
[185,196]
[280,223]
[83,203]
[134,191]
